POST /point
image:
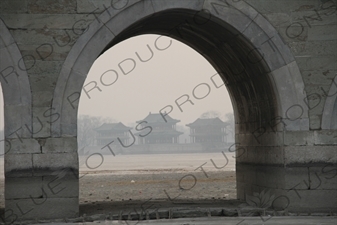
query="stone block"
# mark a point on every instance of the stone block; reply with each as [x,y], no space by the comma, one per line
[313,18]
[88,6]
[318,78]
[189,4]
[47,51]
[61,145]
[129,16]
[63,184]
[23,146]
[46,163]
[41,122]
[246,174]
[43,82]
[13,6]
[43,67]
[270,176]
[41,36]
[6,37]
[315,122]
[16,126]
[322,33]
[42,98]
[293,33]
[312,200]
[285,6]
[296,178]
[52,6]
[42,208]
[92,50]
[316,63]
[18,165]
[326,137]
[314,48]
[279,19]
[228,14]
[274,155]
[298,138]
[323,177]
[266,44]
[23,187]
[309,154]
[74,22]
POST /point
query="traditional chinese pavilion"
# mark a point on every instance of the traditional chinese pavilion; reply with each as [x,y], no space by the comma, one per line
[207,130]
[162,132]
[108,132]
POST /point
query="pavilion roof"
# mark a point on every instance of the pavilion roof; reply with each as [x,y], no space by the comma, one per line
[157,118]
[208,122]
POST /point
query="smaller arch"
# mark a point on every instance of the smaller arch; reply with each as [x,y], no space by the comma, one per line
[329,117]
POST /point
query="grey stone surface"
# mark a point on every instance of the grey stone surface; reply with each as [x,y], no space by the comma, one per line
[65,145]
[294,138]
[284,6]
[52,6]
[326,137]
[13,6]
[310,154]
[88,6]
[329,113]
[314,200]
[129,16]
[302,68]
[228,14]
[43,163]
[187,4]
[314,63]
[42,208]
[23,187]
[23,146]
[62,184]
[18,165]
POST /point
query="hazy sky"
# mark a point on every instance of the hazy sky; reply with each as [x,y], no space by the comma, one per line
[174,71]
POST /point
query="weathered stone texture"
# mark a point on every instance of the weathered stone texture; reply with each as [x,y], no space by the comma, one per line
[58,47]
[13,6]
[43,208]
[52,6]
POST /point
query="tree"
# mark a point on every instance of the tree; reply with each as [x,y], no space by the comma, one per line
[86,135]
[210,114]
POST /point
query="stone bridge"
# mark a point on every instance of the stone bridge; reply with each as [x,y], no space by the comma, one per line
[277,59]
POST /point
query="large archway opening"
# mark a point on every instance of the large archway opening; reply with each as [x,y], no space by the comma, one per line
[260,73]
[240,65]
[135,146]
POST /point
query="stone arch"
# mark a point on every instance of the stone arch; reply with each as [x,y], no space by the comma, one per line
[329,117]
[15,87]
[239,18]
[267,92]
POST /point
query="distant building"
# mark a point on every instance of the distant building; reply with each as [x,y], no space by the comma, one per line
[108,132]
[207,130]
[162,132]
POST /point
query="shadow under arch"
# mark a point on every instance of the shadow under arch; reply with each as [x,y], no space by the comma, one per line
[260,72]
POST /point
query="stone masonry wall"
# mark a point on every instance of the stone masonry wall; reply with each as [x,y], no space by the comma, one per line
[45,31]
